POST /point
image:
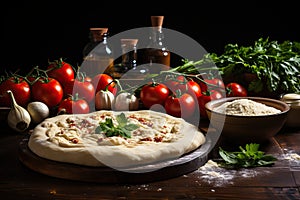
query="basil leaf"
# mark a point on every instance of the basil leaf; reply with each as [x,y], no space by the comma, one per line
[248,156]
[123,128]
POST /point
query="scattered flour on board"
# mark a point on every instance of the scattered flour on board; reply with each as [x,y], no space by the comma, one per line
[218,176]
[292,157]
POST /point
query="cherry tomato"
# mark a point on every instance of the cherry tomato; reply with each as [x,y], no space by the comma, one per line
[101,81]
[62,71]
[154,93]
[181,78]
[171,84]
[191,87]
[235,90]
[184,84]
[20,89]
[85,89]
[48,91]
[212,84]
[206,97]
[73,105]
[180,106]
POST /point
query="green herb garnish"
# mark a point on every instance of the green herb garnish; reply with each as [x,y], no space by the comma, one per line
[247,157]
[123,128]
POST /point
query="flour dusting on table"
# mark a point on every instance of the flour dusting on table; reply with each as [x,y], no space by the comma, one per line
[218,176]
[292,157]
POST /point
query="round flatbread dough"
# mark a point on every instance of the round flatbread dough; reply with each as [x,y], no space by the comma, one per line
[150,137]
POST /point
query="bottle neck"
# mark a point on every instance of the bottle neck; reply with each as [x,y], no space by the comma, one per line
[104,38]
[129,55]
[156,38]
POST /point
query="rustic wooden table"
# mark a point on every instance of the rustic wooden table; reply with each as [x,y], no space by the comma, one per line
[280,181]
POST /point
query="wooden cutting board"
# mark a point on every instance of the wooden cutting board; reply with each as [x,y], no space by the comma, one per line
[183,165]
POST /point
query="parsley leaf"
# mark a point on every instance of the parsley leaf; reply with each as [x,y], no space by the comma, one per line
[123,128]
[249,156]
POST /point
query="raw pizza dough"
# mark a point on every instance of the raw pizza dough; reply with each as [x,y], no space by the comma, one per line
[72,139]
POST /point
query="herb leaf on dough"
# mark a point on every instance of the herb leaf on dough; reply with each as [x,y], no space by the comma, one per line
[122,128]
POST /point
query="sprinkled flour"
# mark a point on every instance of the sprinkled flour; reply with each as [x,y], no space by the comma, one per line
[218,176]
[246,107]
[292,157]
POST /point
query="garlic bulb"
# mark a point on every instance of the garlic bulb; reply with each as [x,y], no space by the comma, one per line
[38,111]
[104,100]
[18,117]
[126,101]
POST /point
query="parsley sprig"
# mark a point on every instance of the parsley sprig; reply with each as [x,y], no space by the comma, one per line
[276,64]
[122,128]
[247,157]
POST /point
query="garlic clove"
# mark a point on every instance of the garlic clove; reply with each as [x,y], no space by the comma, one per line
[18,117]
[38,111]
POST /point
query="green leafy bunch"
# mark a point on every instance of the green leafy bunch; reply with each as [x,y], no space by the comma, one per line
[276,65]
[249,156]
[122,128]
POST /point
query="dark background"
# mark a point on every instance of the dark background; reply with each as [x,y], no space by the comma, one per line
[34,32]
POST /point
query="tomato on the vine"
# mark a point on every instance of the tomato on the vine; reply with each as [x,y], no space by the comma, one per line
[20,89]
[212,84]
[184,84]
[62,71]
[85,89]
[180,105]
[207,96]
[47,90]
[154,93]
[171,84]
[235,90]
[101,81]
[191,87]
[73,105]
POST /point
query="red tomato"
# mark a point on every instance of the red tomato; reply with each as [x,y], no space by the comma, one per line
[73,105]
[154,93]
[212,84]
[180,106]
[206,97]
[191,87]
[235,90]
[84,89]
[181,78]
[48,91]
[20,89]
[62,71]
[171,84]
[101,81]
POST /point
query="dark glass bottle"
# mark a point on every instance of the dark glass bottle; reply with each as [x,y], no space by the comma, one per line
[156,55]
[97,54]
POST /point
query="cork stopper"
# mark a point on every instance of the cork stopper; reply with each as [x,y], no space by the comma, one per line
[97,33]
[131,42]
[157,21]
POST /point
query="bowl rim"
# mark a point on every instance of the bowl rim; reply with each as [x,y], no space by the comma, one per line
[228,99]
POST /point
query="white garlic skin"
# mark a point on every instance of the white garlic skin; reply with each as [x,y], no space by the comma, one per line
[18,117]
[38,111]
